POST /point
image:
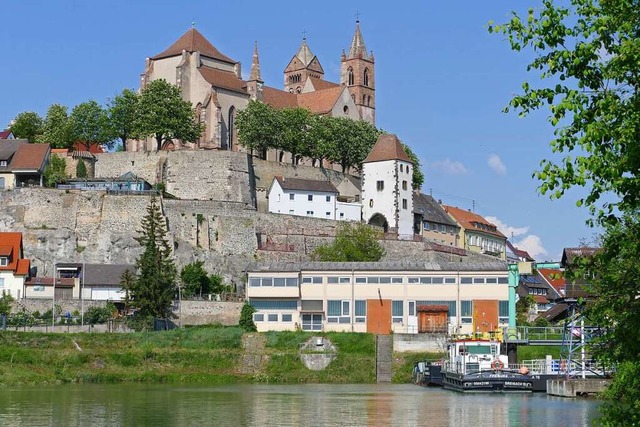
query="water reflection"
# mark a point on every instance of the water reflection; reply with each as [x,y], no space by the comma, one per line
[296,405]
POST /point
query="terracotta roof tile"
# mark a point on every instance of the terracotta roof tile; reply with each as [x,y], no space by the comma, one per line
[554,277]
[23,267]
[467,219]
[30,157]
[540,299]
[5,134]
[14,241]
[5,250]
[223,79]
[320,101]
[305,184]
[193,41]
[387,147]
[279,98]
[320,84]
[92,147]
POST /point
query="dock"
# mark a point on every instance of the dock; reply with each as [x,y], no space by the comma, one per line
[574,387]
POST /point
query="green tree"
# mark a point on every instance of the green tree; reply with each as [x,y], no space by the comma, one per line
[246,318]
[152,291]
[122,111]
[352,141]
[587,53]
[195,279]
[164,115]
[81,169]
[29,125]
[6,302]
[55,172]
[257,126]
[89,123]
[417,178]
[353,242]
[57,129]
[293,131]
[99,315]
[523,307]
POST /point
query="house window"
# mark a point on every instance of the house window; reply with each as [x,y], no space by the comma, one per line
[466,312]
[397,311]
[290,211]
[287,317]
[4,261]
[350,76]
[1,282]
[328,198]
[309,213]
[503,311]
[380,185]
[292,196]
[272,317]
[426,225]
[341,215]
[361,311]
[401,167]
[338,311]
[314,279]
[404,185]
[412,308]
[328,214]
[404,203]
[3,163]
[310,197]
[312,322]
[366,77]
[258,317]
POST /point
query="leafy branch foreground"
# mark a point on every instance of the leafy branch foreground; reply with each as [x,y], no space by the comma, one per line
[211,355]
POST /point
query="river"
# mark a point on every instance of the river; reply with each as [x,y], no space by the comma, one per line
[282,405]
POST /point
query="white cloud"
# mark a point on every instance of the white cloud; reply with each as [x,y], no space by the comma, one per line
[450,167]
[495,163]
[505,229]
[533,245]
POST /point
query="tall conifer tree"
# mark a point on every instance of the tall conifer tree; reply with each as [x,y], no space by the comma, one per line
[153,290]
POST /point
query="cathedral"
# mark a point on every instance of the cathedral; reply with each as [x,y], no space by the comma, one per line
[212,82]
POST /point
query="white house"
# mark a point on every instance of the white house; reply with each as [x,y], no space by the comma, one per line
[387,195]
[14,269]
[308,197]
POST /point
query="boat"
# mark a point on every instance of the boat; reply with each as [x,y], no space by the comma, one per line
[476,365]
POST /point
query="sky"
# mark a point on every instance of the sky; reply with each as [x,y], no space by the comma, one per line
[442,81]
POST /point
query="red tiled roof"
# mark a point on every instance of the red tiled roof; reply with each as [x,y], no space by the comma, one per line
[92,147]
[540,299]
[279,98]
[5,250]
[23,267]
[554,277]
[223,79]
[30,157]
[570,254]
[320,84]
[193,41]
[5,134]
[387,147]
[466,219]
[14,241]
[320,101]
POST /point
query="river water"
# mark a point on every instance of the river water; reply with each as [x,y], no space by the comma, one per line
[282,405]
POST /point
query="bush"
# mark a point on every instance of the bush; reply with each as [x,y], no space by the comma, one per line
[97,315]
[541,322]
[246,318]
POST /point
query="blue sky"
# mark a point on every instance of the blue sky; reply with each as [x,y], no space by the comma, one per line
[441,83]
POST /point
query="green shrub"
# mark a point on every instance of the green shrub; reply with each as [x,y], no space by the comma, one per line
[246,318]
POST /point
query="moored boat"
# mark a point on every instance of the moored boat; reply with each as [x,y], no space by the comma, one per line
[477,365]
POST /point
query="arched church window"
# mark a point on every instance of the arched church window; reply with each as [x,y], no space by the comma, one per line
[350,73]
[353,96]
[364,99]
[368,100]
[366,77]
[298,89]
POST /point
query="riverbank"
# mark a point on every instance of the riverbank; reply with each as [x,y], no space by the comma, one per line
[199,355]
[206,355]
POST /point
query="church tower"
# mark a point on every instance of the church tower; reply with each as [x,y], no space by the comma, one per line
[255,82]
[303,65]
[357,73]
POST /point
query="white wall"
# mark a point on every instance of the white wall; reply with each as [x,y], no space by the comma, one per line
[389,201]
[348,211]
[12,284]
[280,202]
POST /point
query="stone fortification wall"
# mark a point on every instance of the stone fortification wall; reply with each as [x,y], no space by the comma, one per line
[208,312]
[194,175]
[264,172]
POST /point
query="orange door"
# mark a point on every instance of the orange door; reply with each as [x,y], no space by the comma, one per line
[485,315]
[379,316]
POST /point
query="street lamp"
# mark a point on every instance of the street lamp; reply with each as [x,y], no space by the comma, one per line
[53,300]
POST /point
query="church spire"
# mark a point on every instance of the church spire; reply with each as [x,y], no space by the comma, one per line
[304,54]
[357,48]
[255,65]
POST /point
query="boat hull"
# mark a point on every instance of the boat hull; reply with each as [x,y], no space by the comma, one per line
[494,381]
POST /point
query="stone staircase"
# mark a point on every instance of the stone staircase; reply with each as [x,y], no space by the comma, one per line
[252,354]
[384,358]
